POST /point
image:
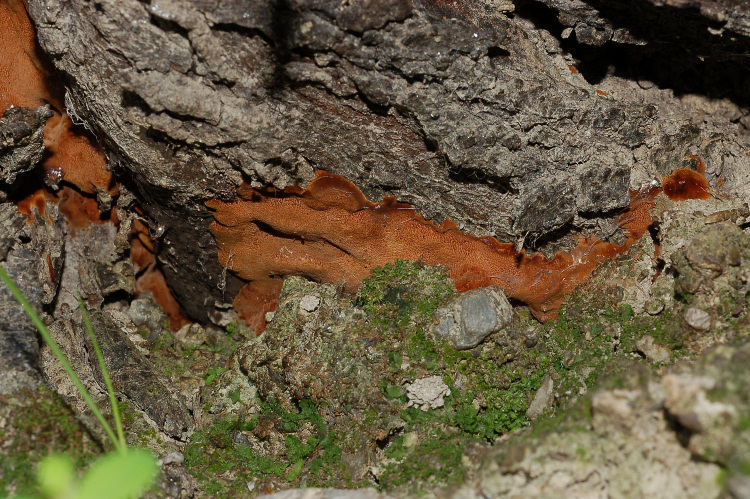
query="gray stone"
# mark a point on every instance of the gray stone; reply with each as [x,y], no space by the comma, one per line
[473,316]
[542,398]
[697,319]
[175,457]
[652,351]
[144,312]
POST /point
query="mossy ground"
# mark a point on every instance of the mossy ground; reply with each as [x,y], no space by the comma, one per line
[491,388]
[493,384]
[35,424]
[225,462]
[399,449]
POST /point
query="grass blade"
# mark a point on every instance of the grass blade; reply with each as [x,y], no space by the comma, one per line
[52,344]
[105,373]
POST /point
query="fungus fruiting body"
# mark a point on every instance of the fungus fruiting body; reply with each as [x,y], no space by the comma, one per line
[72,157]
[685,183]
[331,233]
[328,232]
[27,79]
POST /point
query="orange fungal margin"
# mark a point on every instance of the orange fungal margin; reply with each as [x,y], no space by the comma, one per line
[331,233]
[27,79]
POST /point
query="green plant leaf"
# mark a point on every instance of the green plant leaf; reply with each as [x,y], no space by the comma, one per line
[119,475]
[105,374]
[56,476]
[53,346]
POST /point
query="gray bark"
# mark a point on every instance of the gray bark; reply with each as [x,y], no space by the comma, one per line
[468,111]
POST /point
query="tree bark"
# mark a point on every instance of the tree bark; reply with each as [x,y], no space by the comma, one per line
[526,122]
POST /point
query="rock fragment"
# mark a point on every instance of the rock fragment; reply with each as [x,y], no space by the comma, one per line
[191,335]
[144,312]
[309,303]
[473,316]
[652,351]
[427,393]
[697,319]
[542,398]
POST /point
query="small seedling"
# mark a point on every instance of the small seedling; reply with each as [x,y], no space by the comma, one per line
[125,473]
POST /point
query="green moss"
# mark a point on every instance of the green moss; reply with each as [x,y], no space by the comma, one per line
[213,373]
[721,477]
[234,395]
[231,328]
[397,450]
[40,424]
[392,345]
[586,342]
[392,392]
[396,291]
[399,301]
[218,449]
[435,460]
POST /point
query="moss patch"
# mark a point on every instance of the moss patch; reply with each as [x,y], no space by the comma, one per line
[38,423]
[225,460]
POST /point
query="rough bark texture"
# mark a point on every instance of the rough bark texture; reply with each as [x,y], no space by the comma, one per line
[21,140]
[466,110]
[31,255]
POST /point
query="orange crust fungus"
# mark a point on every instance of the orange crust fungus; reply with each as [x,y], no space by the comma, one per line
[331,233]
[27,79]
[685,183]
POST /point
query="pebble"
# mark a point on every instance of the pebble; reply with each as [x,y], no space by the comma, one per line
[697,319]
[473,316]
[309,303]
[191,335]
[173,458]
[654,306]
[542,398]
[427,393]
[652,351]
